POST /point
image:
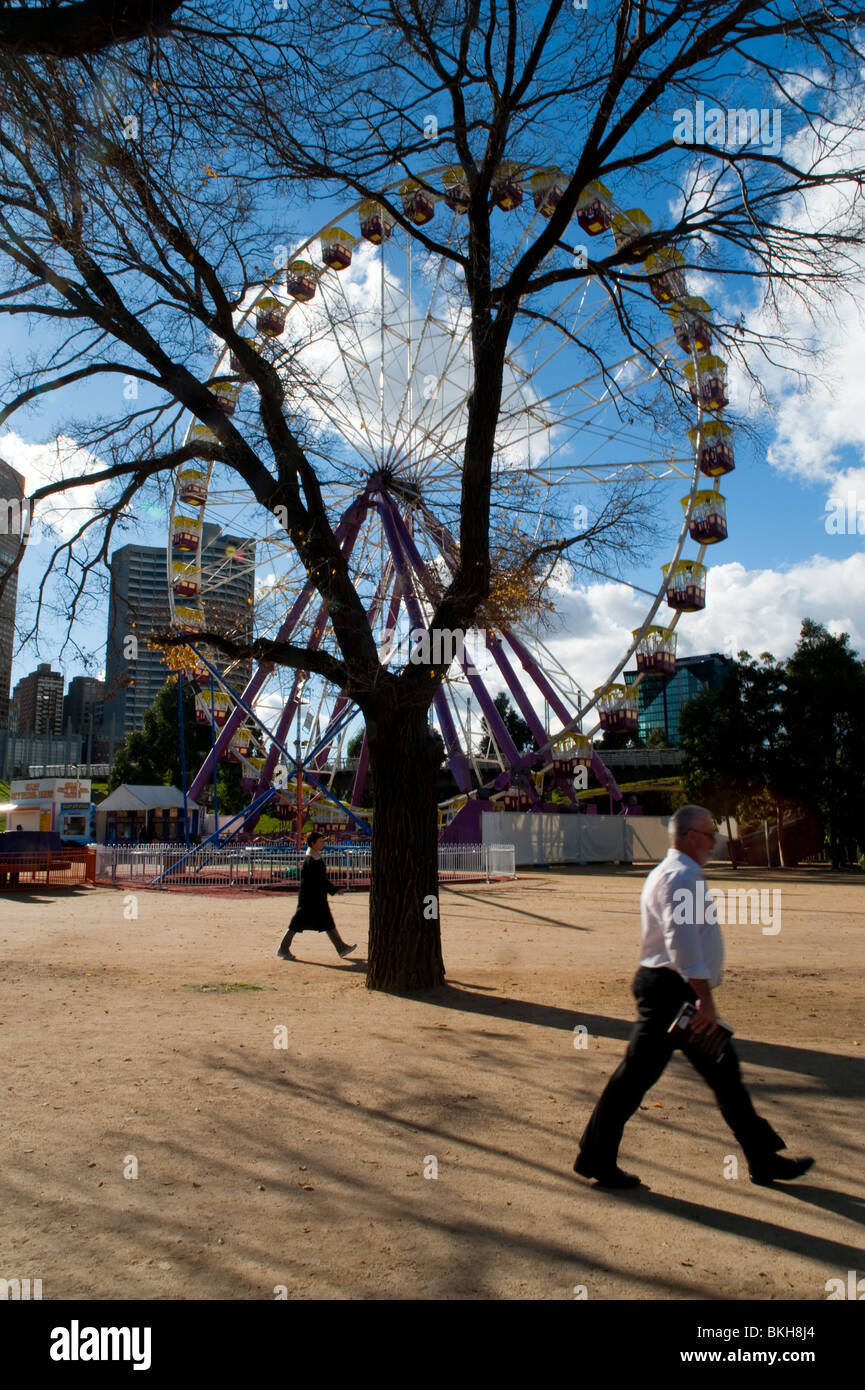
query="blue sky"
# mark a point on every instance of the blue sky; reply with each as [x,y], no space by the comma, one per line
[779,565]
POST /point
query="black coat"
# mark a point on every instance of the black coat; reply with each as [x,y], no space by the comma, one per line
[313,909]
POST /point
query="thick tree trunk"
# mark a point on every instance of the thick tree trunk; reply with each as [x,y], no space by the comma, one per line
[404,930]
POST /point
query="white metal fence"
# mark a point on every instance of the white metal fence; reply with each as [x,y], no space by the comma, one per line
[262,866]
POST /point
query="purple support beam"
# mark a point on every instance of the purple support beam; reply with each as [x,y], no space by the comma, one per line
[291,708]
[293,705]
[512,681]
[363,761]
[531,667]
[603,775]
[395,531]
[345,535]
[257,680]
[320,759]
[361,774]
[494,720]
[494,646]
[528,712]
[343,702]
[449,551]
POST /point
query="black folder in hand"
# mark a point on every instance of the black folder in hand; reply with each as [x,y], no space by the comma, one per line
[712,1044]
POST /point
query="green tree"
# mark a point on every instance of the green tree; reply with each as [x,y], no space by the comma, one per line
[824,745]
[513,722]
[733,741]
[150,756]
[777,738]
[611,739]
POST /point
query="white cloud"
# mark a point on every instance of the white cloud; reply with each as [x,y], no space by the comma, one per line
[45,463]
[754,610]
[819,417]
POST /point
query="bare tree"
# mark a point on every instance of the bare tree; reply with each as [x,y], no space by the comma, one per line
[137,215]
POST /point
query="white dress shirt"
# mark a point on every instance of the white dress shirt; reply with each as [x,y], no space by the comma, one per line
[680,921]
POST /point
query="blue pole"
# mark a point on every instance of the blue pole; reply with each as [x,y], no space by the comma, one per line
[215,763]
[257,804]
[183,759]
[328,795]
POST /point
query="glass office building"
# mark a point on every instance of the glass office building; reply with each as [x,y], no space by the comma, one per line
[661,698]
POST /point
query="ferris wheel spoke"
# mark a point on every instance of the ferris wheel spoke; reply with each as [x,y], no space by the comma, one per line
[563,341]
[601,374]
[332,412]
[413,361]
[346,535]
[361,363]
[515,688]
[450,416]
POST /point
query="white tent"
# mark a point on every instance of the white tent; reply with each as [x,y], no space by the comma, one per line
[138,804]
[131,797]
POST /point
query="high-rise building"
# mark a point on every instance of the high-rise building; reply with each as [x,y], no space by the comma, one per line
[228,571]
[138,611]
[37,702]
[11,498]
[137,608]
[82,714]
[661,697]
[82,704]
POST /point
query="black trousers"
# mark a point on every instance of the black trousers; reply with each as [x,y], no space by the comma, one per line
[660,994]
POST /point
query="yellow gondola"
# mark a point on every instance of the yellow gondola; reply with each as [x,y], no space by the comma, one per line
[506,191]
[618,709]
[300,281]
[656,651]
[376,224]
[336,248]
[685,586]
[666,275]
[594,208]
[691,319]
[629,227]
[193,486]
[716,448]
[455,186]
[708,521]
[547,187]
[270,316]
[707,382]
[418,203]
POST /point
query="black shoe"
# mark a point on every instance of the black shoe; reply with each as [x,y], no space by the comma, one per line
[780,1170]
[606,1177]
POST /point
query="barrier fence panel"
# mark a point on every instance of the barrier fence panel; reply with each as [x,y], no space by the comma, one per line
[43,869]
[277,866]
[501,861]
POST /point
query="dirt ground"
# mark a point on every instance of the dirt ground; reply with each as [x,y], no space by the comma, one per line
[306,1169]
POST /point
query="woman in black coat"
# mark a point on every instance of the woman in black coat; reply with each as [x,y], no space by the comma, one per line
[313,909]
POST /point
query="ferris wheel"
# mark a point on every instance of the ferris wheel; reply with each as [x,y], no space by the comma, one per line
[371,335]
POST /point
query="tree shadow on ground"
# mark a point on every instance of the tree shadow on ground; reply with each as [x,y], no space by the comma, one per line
[519,911]
[835,1253]
[844,1076]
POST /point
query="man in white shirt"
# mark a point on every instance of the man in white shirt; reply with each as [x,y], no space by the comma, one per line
[681,959]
